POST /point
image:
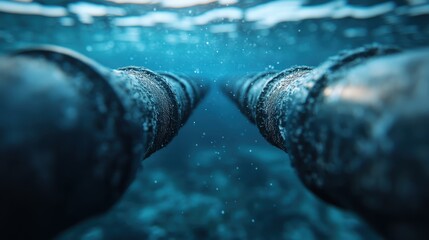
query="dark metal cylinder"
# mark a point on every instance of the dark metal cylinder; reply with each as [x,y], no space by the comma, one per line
[73,133]
[356,129]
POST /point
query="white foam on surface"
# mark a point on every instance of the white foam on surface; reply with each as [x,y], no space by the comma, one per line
[134,1]
[86,11]
[32,9]
[95,10]
[175,3]
[230,13]
[262,16]
[263,11]
[185,23]
[184,3]
[273,13]
[364,12]
[148,20]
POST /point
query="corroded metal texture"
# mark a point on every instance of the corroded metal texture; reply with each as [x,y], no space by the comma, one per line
[356,130]
[73,134]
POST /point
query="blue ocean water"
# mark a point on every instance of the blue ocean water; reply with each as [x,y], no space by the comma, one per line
[219,178]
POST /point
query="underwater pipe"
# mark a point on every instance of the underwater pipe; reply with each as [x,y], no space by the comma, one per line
[356,129]
[73,133]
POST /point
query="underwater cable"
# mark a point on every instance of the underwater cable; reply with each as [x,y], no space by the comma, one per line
[73,134]
[356,129]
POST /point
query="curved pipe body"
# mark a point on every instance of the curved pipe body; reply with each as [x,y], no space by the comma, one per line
[356,129]
[73,134]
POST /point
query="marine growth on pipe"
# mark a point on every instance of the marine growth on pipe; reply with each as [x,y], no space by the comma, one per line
[73,134]
[356,129]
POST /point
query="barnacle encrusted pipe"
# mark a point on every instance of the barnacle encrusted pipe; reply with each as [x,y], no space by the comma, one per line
[73,133]
[356,129]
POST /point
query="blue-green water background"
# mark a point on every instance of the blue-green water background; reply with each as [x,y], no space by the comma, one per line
[218,179]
